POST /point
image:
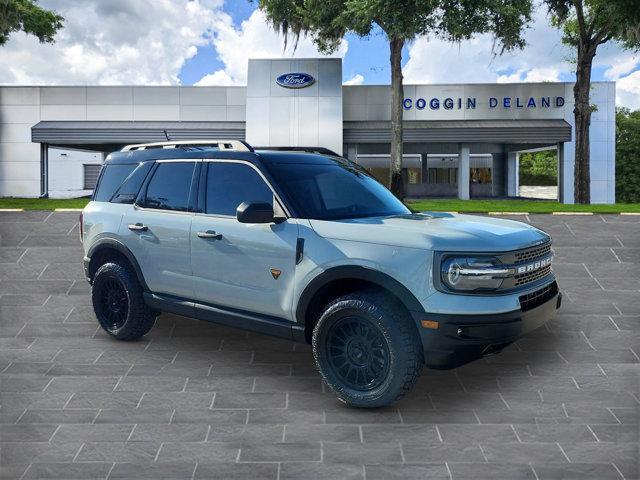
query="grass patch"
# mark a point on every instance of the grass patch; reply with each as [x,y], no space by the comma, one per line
[535,206]
[43,203]
[436,204]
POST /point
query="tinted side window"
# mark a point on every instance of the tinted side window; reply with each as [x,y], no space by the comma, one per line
[111,178]
[169,187]
[230,184]
[128,191]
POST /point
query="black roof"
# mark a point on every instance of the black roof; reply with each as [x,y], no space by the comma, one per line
[149,155]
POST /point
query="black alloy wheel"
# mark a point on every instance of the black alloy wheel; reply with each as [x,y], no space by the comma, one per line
[118,302]
[114,303]
[367,348]
[358,353]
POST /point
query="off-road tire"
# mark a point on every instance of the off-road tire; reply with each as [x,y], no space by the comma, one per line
[137,317]
[379,313]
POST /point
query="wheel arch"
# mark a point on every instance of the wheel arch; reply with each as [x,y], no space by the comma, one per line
[346,279]
[110,249]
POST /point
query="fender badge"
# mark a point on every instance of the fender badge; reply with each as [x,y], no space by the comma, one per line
[275,273]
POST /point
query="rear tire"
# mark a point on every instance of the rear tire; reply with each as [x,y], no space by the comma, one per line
[118,302]
[367,349]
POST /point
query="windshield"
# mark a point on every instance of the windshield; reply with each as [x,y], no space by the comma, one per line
[335,191]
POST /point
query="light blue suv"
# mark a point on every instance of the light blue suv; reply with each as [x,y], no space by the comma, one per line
[311,248]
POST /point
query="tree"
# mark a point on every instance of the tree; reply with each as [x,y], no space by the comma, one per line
[327,21]
[587,24]
[539,168]
[28,17]
[627,156]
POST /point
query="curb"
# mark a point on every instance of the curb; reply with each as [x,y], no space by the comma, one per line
[67,209]
[508,213]
[571,213]
[630,213]
[11,209]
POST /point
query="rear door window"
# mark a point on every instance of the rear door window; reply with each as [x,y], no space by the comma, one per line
[111,179]
[170,186]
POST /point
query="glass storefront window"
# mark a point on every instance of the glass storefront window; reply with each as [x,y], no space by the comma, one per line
[480,175]
[414,176]
[443,175]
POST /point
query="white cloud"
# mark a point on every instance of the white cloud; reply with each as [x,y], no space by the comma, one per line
[545,58]
[357,79]
[436,61]
[114,42]
[531,75]
[622,65]
[628,91]
[253,39]
[217,78]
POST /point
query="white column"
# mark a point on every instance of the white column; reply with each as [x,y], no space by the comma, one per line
[513,166]
[562,197]
[463,171]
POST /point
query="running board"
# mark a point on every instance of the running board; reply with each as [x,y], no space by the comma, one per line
[253,322]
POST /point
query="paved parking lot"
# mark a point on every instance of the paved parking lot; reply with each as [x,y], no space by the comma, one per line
[194,400]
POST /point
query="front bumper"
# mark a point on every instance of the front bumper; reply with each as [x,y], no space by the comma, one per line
[86,261]
[460,339]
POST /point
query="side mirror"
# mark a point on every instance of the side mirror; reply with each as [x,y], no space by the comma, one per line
[250,212]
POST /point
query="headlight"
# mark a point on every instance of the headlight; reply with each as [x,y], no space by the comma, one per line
[469,274]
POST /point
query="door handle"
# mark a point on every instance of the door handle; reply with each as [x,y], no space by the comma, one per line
[138,227]
[210,234]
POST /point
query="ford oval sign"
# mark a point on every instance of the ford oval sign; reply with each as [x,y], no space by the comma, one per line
[295,80]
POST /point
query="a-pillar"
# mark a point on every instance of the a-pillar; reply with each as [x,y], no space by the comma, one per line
[463,171]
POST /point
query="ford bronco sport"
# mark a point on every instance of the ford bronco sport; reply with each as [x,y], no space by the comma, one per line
[309,247]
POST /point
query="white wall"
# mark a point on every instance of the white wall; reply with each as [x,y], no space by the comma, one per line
[66,171]
[311,116]
[602,142]
[279,116]
[23,107]
[373,103]
[19,158]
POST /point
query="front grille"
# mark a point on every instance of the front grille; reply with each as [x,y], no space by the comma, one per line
[529,277]
[529,255]
[533,253]
[537,298]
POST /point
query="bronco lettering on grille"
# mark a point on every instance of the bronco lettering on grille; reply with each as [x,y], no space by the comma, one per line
[537,265]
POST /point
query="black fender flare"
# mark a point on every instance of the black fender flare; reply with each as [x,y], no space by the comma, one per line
[112,243]
[356,272]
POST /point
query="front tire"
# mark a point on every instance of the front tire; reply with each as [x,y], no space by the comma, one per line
[367,350]
[118,302]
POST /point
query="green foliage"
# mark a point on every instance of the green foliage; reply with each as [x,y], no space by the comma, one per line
[586,22]
[539,168]
[327,21]
[28,17]
[627,155]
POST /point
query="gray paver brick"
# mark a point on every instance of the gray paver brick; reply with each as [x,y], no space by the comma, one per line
[568,388]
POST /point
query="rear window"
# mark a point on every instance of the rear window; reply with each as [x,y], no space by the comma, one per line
[110,180]
[128,191]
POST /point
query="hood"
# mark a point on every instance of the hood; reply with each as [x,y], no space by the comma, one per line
[435,231]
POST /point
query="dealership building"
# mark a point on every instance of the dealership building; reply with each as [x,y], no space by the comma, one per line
[460,140]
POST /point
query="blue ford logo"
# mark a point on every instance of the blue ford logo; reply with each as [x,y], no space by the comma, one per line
[295,80]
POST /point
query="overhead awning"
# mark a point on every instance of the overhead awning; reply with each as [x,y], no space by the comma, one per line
[94,133]
[473,131]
